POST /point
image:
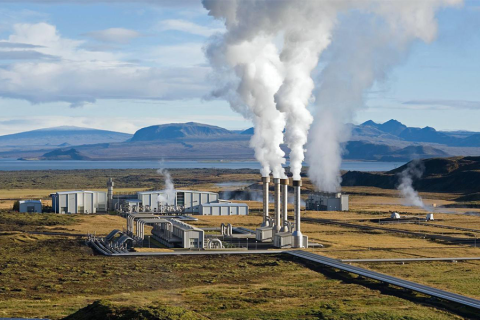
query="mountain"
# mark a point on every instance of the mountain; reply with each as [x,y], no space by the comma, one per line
[62,136]
[249,131]
[392,126]
[428,134]
[178,131]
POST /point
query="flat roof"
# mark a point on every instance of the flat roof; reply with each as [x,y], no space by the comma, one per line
[176,190]
[30,201]
[224,204]
[78,191]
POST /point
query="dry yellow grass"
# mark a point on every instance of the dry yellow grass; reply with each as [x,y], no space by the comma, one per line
[101,224]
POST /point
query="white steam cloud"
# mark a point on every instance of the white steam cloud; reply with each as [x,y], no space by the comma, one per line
[264,62]
[168,195]
[413,171]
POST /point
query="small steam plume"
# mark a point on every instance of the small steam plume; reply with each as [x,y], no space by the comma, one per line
[413,171]
[168,195]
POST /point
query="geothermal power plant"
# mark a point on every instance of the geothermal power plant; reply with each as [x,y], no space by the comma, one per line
[169,213]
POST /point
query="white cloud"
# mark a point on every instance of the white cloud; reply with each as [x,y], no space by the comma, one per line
[115,35]
[165,3]
[444,104]
[188,27]
[80,76]
[187,54]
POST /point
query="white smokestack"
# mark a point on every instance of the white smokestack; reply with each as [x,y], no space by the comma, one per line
[284,204]
[297,234]
[266,183]
[277,226]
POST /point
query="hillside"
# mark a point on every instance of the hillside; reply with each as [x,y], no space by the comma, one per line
[190,130]
[62,136]
[453,175]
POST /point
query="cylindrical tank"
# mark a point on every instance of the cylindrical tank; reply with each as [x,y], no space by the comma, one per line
[284,204]
[297,234]
[266,183]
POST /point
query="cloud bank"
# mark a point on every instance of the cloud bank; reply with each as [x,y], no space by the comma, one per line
[51,68]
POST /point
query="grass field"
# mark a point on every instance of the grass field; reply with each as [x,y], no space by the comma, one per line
[50,277]
[54,276]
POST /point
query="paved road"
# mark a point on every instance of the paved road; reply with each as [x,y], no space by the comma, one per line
[409,259]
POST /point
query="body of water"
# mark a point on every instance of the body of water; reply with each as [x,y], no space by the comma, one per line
[17,165]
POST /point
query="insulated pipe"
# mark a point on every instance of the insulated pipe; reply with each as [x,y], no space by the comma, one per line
[284,204]
[266,182]
[276,182]
[297,234]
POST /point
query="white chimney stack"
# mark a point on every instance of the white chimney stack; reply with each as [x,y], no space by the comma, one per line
[297,234]
[277,226]
[284,204]
[266,182]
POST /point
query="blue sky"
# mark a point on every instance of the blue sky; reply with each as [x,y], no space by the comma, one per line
[122,65]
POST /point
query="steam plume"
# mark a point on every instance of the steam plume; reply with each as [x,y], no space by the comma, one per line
[366,45]
[168,195]
[413,171]
[265,59]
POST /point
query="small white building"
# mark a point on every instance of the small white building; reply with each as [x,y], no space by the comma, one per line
[79,201]
[30,206]
[190,200]
[323,201]
[224,209]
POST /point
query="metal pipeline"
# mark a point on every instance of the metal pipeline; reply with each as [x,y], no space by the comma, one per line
[266,182]
[284,204]
[277,222]
[297,234]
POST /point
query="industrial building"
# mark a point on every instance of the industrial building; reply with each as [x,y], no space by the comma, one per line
[30,206]
[189,200]
[79,202]
[224,209]
[175,233]
[322,201]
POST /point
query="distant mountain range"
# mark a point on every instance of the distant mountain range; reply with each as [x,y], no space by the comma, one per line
[61,137]
[396,130]
[389,141]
